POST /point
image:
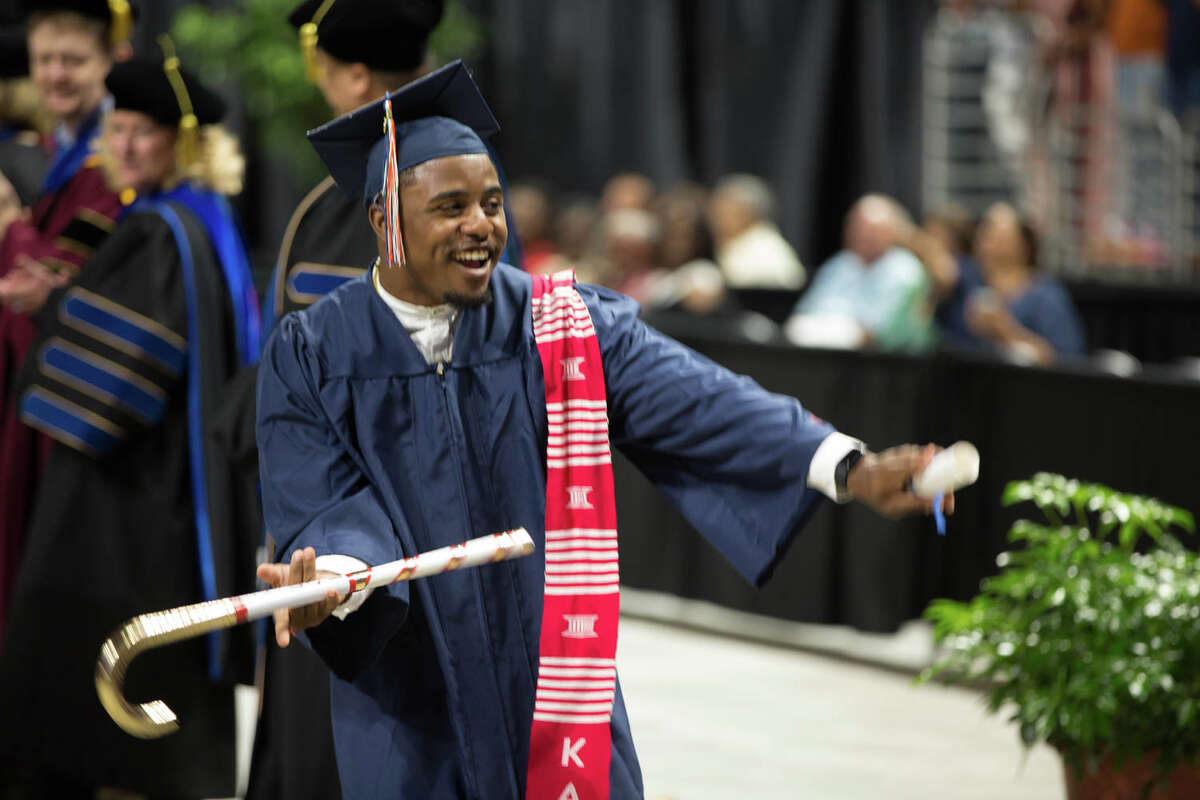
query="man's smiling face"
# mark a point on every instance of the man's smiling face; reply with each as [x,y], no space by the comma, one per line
[452,218]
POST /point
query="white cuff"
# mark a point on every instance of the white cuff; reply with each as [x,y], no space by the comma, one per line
[822,468]
[344,565]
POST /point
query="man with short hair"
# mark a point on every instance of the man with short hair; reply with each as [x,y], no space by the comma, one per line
[362,49]
[356,51]
[872,292]
[750,249]
[444,396]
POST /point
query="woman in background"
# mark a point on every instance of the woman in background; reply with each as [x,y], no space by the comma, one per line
[1023,312]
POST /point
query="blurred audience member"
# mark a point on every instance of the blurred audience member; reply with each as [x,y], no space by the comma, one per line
[23,160]
[954,230]
[685,236]
[577,232]
[695,288]
[631,239]
[529,208]
[1183,56]
[1137,32]
[1078,64]
[627,190]
[692,283]
[751,251]
[1023,313]
[939,262]
[870,293]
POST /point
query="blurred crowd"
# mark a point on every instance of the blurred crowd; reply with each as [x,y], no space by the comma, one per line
[952,282]
[1091,107]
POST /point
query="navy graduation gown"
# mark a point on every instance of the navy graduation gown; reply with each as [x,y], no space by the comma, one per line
[367,450]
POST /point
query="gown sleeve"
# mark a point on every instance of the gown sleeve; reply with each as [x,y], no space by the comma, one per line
[63,243]
[112,349]
[315,495]
[731,456]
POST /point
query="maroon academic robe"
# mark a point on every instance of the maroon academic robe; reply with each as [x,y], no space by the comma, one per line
[63,230]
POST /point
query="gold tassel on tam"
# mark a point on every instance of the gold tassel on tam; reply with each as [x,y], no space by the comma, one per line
[122,21]
[308,41]
[189,126]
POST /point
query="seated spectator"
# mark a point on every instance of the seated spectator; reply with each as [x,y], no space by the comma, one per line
[685,237]
[870,293]
[751,251]
[630,253]
[1021,312]
[627,190]
[529,208]
[954,231]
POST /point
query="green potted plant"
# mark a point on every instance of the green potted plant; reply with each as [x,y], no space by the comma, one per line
[1090,636]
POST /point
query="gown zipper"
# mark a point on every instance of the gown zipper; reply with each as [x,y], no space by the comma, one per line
[456,433]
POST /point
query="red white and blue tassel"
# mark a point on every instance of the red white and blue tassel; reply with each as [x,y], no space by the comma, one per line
[391,189]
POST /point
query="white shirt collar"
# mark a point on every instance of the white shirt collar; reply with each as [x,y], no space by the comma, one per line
[431,328]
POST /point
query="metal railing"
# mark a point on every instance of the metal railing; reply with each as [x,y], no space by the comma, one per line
[1115,194]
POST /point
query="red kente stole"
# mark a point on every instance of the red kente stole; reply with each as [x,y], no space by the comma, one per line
[571,742]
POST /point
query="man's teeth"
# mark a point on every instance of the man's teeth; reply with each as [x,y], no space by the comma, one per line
[471,255]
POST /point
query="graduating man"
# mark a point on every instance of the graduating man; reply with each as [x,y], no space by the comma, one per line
[355,51]
[444,395]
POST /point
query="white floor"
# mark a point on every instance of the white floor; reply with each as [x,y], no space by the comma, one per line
[715,717]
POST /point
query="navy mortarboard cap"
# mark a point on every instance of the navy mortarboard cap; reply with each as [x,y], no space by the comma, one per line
[383,34]
[117,14]
[442,114]
[140,84]
[14,52]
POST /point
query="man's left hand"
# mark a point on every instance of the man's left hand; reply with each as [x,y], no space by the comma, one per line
[883,481]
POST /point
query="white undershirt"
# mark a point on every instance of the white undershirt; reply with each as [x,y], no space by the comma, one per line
[431,328]
[432,331]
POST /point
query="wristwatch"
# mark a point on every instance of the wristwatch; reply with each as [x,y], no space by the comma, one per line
[841,474]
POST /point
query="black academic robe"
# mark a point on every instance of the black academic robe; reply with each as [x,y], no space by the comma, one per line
[114,531]
[328,241]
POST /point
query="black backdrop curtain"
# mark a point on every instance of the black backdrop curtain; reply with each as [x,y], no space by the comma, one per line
[820,97]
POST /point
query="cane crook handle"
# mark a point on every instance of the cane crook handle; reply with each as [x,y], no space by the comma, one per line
[146,632]
[156,629]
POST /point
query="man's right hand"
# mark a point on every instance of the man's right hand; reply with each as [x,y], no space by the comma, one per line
[302,569]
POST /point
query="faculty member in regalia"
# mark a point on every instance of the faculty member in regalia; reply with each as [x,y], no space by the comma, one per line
[355,51]
[134,511]
[444,396]
[72,46]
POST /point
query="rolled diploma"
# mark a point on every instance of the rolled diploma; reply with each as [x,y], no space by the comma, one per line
[953,468]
